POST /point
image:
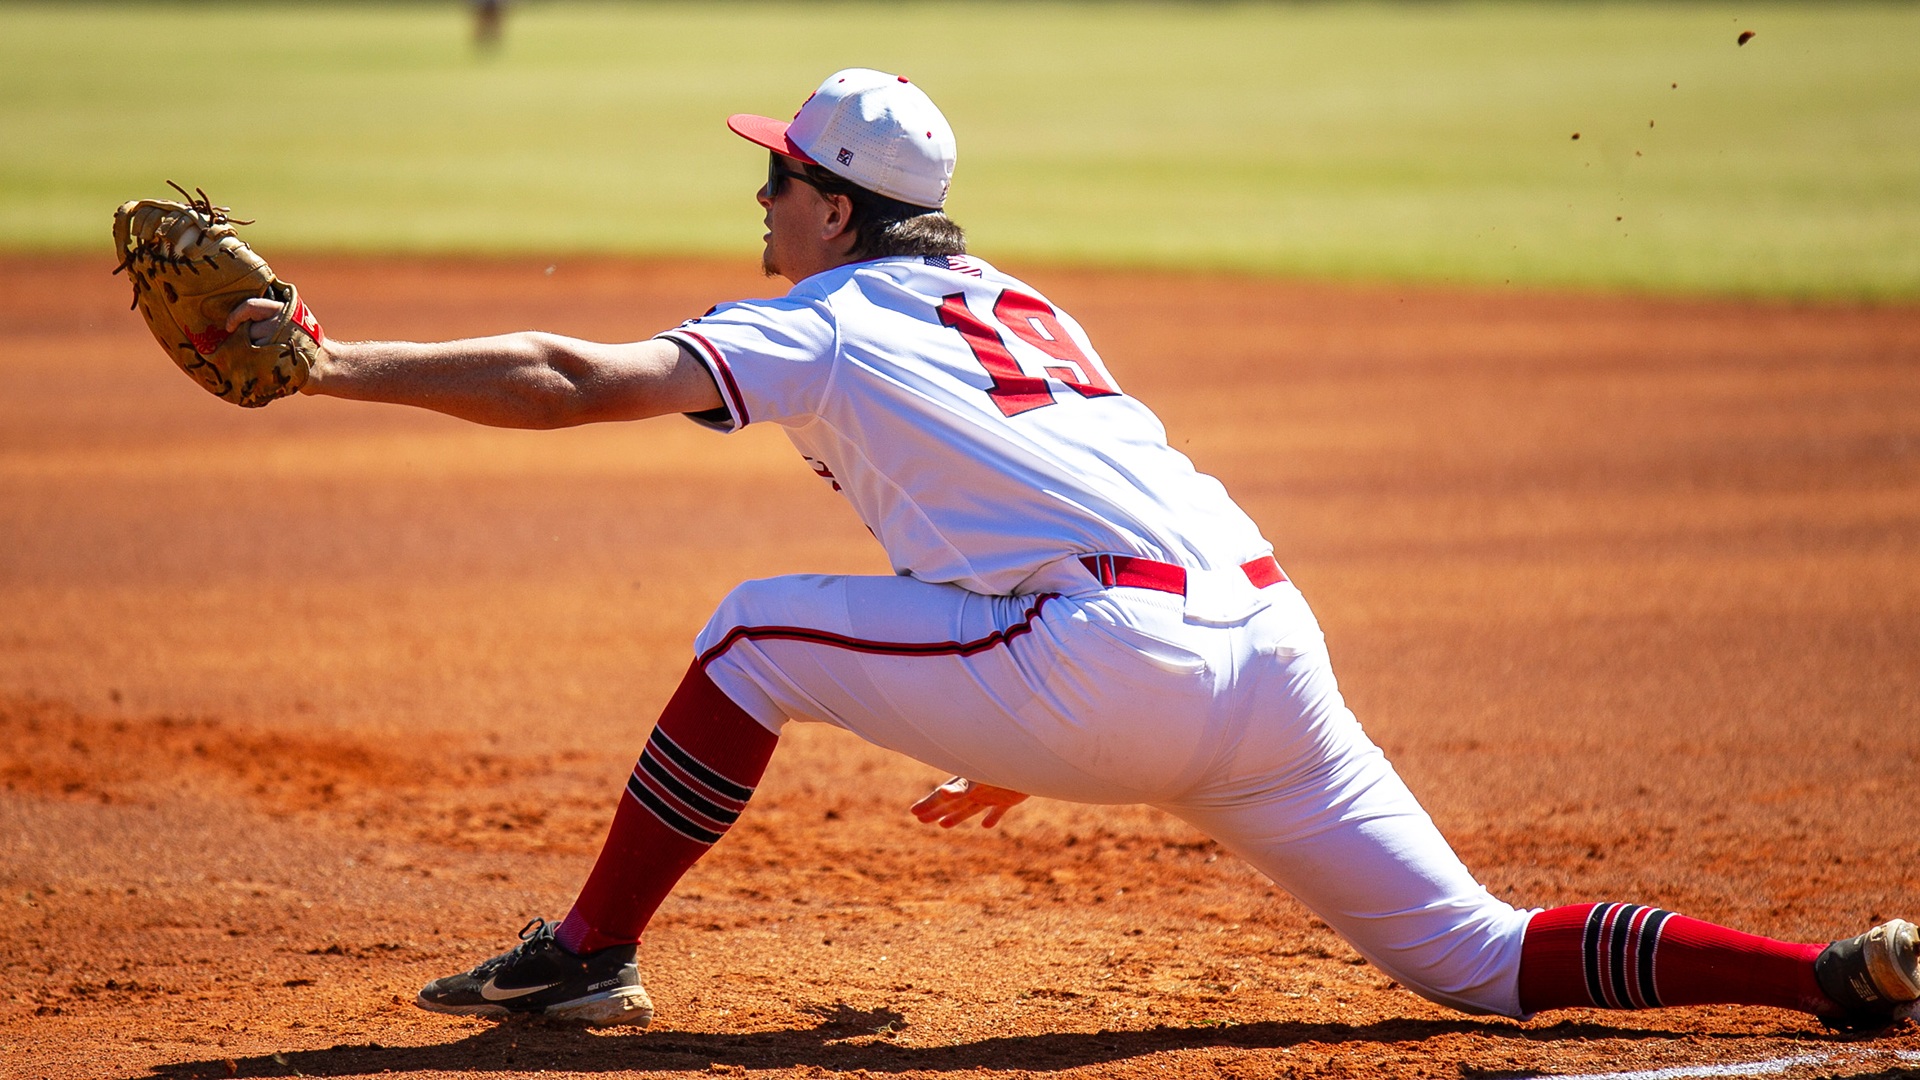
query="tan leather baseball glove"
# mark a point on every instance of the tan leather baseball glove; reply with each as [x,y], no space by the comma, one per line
[189,271]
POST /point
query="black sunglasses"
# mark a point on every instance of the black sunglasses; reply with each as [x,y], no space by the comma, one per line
[777,177]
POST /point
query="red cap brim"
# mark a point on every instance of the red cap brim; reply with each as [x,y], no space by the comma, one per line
[769,133]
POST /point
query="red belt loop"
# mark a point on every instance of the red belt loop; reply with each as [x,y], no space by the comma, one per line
[1136,573]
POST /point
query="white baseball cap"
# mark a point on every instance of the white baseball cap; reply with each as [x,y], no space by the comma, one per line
[878,130]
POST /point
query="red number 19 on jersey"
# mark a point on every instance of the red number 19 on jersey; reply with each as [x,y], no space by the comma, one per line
[1032,321]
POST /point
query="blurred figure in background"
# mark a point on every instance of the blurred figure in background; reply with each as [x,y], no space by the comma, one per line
[486,23]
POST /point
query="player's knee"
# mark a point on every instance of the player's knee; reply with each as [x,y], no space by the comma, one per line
[1474,968]
[792,600]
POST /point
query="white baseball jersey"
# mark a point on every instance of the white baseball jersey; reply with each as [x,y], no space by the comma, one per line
[978,435]
[970,423]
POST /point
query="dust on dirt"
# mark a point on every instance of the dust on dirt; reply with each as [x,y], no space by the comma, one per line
[301,707]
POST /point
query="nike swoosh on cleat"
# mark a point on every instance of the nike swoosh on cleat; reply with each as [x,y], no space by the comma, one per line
[493,993]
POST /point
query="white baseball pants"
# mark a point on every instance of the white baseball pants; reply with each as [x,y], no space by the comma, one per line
[1118,695]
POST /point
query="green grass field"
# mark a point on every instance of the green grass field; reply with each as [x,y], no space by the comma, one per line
[1422,142]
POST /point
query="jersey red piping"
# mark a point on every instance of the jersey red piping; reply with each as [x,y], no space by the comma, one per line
[726,373]
[891,648]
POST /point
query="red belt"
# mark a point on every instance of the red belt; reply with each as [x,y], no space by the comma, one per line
[1138,573]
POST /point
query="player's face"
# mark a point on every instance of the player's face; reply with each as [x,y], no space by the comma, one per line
[783,198]
[804,228]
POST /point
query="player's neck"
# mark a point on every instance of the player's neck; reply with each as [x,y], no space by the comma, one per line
[802,269]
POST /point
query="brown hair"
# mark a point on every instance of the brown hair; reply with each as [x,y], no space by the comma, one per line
[884,227]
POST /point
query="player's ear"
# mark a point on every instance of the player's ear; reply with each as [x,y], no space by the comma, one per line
[837,223]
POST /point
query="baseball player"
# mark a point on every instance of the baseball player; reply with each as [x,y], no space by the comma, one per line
[1075,612]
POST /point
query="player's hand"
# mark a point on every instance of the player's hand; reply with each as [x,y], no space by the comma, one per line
[259,315]
[259,311]
[959,799]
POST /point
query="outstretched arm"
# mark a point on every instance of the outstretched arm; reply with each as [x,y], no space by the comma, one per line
[524,380]
[959,799]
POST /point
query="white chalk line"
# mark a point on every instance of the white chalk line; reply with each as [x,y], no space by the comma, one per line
[1769,1067]
[1677,1072]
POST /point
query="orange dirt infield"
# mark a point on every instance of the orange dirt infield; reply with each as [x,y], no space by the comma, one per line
[301,707]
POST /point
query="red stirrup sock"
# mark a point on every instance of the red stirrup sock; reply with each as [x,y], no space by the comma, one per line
[691,782]
[1624,956]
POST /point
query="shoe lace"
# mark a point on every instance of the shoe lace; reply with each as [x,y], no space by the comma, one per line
[530,936]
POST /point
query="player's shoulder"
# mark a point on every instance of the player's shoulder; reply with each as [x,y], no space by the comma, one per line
[796,308]
[791,327]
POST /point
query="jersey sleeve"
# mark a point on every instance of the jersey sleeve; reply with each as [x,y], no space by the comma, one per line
[771,359]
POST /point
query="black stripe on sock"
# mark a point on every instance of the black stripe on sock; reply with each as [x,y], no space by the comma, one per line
[1649,941]
[699,770]
[684,793]
[1617,952]
[1590,953]
[668,816]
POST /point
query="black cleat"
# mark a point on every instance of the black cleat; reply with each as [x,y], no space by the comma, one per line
[1874,978]
[540,978]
